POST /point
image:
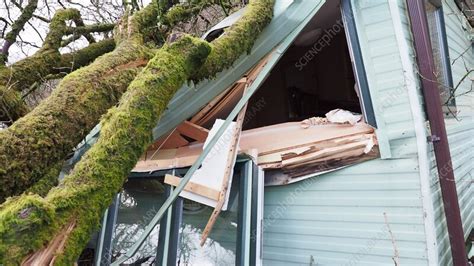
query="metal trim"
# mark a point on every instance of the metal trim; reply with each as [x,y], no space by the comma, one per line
[432,98]
[254,214]
[358,62]
[104,251]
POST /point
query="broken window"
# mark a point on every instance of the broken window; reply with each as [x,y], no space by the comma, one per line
[181,233]
[221,246]
[139,201]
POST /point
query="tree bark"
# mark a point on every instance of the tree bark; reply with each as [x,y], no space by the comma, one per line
[47,134]
[17,26]
[22,75]
[66,217]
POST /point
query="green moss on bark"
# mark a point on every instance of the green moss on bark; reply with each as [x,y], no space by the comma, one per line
[47,182]
[42,138]
[20,219]
[22,75]
[47,134]
[126,132]
[237,39]
[85,56]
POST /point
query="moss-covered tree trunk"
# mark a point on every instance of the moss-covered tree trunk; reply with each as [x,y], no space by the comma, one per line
[66,217]
[47,134]
[126,131]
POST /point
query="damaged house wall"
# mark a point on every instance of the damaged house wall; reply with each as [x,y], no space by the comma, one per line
[372,212]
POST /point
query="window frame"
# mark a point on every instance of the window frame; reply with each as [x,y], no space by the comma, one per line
[168,239]
[449,108]
[358,65]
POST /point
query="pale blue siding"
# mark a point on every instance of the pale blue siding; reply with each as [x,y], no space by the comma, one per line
[338,218]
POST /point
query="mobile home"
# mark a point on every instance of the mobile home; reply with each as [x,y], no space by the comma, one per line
[300,178]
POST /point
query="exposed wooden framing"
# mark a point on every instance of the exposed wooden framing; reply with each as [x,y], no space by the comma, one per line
[193,187]
[170,141]
[224,106]
[193,131]
[209,106]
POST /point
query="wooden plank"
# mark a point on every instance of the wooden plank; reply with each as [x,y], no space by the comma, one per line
[290,135]
[225,183]
[224,106]
[169,141]
[186,155]
[209,106]
[227,100]
[193,131]
[312,168]
[295,152]
[324,153]
[193,187]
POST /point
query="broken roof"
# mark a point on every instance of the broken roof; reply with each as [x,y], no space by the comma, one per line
[288,21]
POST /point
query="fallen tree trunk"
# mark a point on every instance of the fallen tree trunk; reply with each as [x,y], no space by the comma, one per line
[47,134]
[67,216]
[126,131]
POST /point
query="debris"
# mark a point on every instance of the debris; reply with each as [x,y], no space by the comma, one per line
[314,150]
[313,121]
[342,116]
[214,171]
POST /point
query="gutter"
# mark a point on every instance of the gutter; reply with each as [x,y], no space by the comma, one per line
[426,68]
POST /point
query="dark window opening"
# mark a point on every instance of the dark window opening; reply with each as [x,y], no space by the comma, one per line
[314,76]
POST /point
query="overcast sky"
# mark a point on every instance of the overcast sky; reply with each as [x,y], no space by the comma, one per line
[35,31]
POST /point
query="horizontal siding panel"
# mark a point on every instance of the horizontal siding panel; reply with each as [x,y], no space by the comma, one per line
[332,217]
[364,230]
[384,247]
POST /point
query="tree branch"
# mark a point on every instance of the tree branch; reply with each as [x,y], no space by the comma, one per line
[16,27]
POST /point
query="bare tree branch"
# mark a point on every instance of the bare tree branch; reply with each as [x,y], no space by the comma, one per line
[16,27]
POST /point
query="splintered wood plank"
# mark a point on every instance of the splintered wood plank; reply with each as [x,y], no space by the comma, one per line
[330,164]
[193,131]
[224,106]
[193,187]
[324,153]
[280,140]
[286,136]
[225,182]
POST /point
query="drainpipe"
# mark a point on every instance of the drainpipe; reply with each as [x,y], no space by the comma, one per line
[426,68]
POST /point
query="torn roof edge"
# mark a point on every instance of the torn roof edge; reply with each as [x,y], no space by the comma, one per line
[289,20]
